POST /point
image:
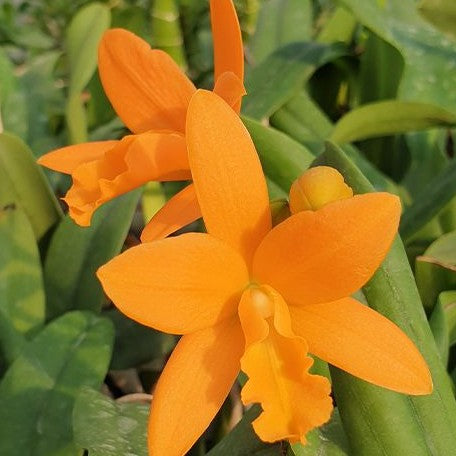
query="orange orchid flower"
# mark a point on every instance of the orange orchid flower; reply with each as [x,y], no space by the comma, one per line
[246,295]
[151,95]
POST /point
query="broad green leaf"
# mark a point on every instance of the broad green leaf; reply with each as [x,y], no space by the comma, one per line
[440,13]
[136,344]
[242,440]
[435,270]
[282,158]
[371,415]
[38,391]
[83,35]
[328,440]
[29,110]
[433,197]
[443,323]
[23,184]
[22,301]
[282,74]
[75,253]
[108,428]
[388,118]
[430,69]
[280,22]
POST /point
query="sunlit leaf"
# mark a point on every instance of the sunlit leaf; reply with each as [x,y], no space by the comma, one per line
[75,253]
[23,183]
[388,118]
[108,428]
[22,303]
[38,392]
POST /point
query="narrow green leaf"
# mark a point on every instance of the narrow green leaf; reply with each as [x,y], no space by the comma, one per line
[432,198]
[75,253]
[310,120]
[38,392]
[443,323]
[339,27]
[282,158]
[282,74]
[329,440]
[106,428]
[136,344]
[388,118]
[166,30]
[23,184]
[372,415]
[153,199]
[435,270]
[83,36]
[242,440]
[22,301]
[280,22]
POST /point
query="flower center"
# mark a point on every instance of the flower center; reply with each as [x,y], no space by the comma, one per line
[262,302]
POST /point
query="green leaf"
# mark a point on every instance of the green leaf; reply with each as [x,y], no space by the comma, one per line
[136,344]
[282,74]
[280,22]
[83,36]
[435,270]
[390,117]
[108,428]
[440,13]
[432,198]
[75,253]
[166,30]
[339,27]
[328,440]
[443,323]
[24,184]
[282,158]
[429,71]
[372,415]
[22,301]
[38,392]
[242,440]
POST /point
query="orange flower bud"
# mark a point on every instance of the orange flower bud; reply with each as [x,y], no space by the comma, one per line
[316,188]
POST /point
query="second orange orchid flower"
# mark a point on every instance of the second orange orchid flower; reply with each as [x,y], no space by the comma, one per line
[151,95]
[252,297]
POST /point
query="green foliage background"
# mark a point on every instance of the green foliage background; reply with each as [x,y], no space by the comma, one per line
[367,87]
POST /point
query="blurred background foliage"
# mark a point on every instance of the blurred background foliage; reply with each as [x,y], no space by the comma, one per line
[377,78]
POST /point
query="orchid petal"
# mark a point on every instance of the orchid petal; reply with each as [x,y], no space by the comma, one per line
[179,211]
[328,254]
[67,159]
[364,343]
[132,162]
[193,386]
[227,174]
[276,361]
[146,87]
[176,285]
[227,37]
[229,87]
